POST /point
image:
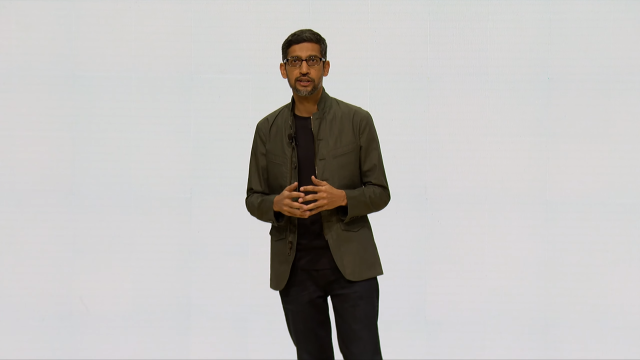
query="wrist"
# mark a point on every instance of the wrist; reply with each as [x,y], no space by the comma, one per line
[344,198]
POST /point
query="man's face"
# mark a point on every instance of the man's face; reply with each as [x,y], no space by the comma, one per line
[305,80]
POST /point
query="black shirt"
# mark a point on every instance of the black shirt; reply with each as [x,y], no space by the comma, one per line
[313,250]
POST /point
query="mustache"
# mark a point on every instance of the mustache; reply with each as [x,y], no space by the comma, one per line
[303,78]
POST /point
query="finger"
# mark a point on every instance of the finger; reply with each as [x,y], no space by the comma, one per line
[316,210]
[312,188]
[292,205]
[290,211]
[318,182]
[312,197]
[295,208]
[300,214]
[291,187]
[293,195]
[314,205]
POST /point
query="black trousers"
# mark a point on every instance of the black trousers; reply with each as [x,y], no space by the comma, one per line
[355,309]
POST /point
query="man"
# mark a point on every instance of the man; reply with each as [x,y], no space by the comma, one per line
[315,173]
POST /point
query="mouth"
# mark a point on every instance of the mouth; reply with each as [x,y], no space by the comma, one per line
[304,81]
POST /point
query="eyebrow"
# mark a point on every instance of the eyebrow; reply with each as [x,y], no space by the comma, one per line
[313,55]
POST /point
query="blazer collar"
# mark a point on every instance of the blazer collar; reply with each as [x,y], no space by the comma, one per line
[322,103]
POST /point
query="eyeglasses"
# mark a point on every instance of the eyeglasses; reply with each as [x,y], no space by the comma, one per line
[297,62]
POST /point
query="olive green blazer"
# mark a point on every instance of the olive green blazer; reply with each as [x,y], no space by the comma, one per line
[348,157]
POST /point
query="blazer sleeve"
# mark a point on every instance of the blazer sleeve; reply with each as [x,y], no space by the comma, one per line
[374,194]
[259,201]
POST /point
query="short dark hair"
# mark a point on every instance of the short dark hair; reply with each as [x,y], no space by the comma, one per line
[303,36]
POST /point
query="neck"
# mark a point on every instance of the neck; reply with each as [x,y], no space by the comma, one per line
[307,105]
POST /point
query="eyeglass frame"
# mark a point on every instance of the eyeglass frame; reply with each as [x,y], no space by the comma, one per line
[285,61]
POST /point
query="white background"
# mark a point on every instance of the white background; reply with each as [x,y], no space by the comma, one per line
[510,137]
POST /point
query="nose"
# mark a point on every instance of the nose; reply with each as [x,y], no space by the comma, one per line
[304,68]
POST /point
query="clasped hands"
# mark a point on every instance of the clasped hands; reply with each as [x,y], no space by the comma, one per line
[327,197]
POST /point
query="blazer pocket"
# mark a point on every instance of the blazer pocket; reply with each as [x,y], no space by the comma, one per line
[344,150]
[353,225]
[278,232]
[276,159]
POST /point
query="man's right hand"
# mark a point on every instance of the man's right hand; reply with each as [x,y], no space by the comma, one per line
[284,203]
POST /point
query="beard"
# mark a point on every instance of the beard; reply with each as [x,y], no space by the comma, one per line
[314,88]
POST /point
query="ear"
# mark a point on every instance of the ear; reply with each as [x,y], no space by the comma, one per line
[327,65]
[283,71]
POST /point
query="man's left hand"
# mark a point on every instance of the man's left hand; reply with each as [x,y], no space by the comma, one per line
[327,197]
